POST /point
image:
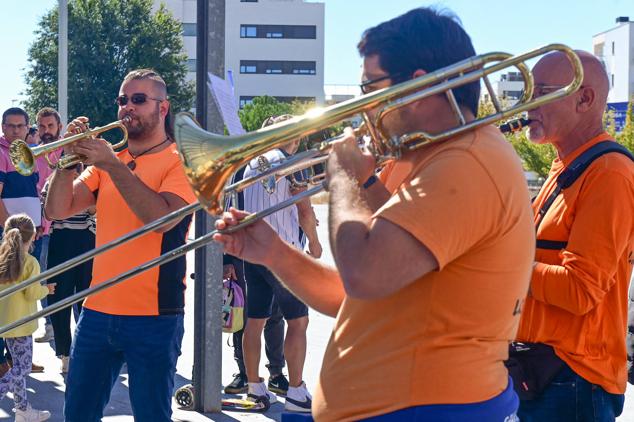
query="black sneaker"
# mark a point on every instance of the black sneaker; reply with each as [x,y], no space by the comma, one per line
[278,384]
[238,385]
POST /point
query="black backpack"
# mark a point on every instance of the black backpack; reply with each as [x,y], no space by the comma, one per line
[569,176]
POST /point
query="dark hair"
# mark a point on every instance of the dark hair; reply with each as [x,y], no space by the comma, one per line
[160,85]
[15,111]
[32,131]
[425,39]
[18,229]
[48,111]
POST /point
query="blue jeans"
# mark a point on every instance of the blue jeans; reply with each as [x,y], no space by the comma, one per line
[571,398]
[150,345]
[501,408]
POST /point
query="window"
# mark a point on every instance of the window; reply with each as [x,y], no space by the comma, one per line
[245,100]
[191,65]
[248,1]
[613,80]
[613,48]
[278,67]
[248,31]
[189,29]
[279,31]
[514,95]
[248,68]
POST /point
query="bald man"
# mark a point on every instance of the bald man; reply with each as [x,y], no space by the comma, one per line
[577,302]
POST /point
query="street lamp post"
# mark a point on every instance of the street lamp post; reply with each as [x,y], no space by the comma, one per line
[62,62]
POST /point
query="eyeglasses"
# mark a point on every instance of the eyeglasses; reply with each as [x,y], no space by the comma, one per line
[12,126]
[541,90]
[366,84]
[136,99]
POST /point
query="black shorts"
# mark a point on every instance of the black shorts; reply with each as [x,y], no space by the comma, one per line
[262,287]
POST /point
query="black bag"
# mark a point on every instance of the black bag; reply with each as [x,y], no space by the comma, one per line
[532,366]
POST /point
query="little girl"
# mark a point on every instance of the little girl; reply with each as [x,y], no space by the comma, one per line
[17,265]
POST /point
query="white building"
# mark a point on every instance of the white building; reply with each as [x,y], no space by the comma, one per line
[272,47]
[339,93]
[615,48]
[508,89]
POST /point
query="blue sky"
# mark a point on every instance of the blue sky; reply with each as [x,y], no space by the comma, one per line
[494,25]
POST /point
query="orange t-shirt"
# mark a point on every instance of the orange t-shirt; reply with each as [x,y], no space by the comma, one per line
[443,338]
[579,294]
[159,290]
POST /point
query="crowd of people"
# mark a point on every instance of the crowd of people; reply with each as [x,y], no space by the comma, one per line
[454,298]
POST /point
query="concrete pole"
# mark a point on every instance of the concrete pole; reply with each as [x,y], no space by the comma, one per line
[207,377]
[62,62]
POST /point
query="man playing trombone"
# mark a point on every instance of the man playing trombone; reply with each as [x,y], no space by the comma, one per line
[139,322]
[432,256]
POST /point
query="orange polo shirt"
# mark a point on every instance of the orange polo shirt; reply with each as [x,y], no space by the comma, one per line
[160,290]
[580,293]
[443,338]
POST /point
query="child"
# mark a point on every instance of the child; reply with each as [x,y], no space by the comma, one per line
[17,265]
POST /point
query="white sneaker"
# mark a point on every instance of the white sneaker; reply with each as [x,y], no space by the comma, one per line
[257,390]
[298,399]
[65,362]
[49,335]
[31,415]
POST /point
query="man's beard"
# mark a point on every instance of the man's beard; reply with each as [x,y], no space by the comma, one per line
[47,138]
[141,127]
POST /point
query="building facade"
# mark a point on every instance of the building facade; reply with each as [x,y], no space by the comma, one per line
[615,48]
[272,47]
[508,89]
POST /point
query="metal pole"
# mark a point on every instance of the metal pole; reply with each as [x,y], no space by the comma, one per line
[62,62]
[207,376]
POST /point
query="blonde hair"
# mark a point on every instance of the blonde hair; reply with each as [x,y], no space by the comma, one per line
[18,230]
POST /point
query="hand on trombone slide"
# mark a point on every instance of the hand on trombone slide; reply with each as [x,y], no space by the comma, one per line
[256,243]
[345,155]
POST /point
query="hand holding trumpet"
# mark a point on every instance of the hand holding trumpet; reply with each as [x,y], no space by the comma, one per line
[92,150]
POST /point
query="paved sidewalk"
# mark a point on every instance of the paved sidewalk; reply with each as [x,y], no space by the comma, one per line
[46,390]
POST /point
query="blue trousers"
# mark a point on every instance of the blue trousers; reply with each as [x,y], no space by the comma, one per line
[501,408]
[150,345]
[571,398]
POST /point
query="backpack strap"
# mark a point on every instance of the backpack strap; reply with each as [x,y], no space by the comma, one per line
[570,176]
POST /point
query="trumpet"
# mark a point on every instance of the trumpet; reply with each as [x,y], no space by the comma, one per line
[24,157]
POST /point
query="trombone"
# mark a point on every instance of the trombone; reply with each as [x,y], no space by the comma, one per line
[210,159]
[23,156]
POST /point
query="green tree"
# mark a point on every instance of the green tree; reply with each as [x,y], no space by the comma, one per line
[535,157]
[626,136]
[106,40]
[261,108]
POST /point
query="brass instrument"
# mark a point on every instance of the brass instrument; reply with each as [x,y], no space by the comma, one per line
[23,156]
[210,159]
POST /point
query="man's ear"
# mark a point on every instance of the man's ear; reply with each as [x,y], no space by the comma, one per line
[585,99]
[418,73]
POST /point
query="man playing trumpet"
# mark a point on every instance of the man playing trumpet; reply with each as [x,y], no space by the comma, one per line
[139,322]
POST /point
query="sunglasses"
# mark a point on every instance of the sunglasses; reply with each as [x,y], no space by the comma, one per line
[136,99]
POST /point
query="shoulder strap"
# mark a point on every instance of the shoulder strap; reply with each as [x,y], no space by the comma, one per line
[570,175]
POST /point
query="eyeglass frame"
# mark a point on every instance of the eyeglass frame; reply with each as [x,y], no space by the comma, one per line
[549,87]
[137,95]
[364,84]
[14,127]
